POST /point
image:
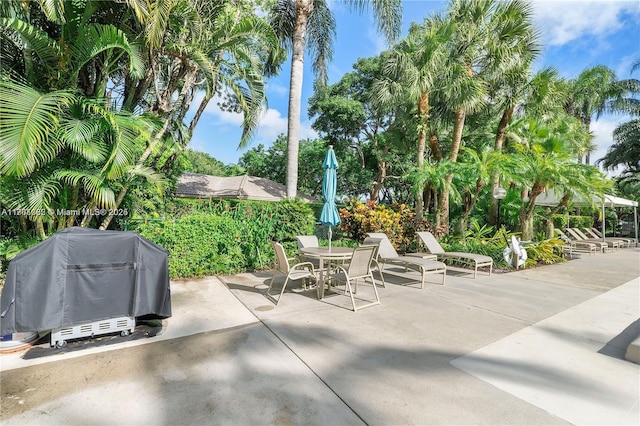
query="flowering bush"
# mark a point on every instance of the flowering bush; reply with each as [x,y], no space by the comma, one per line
[397,221]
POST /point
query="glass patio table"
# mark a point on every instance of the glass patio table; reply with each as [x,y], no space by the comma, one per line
[324,254]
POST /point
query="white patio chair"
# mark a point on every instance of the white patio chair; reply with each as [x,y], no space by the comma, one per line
[375,242]
[358,268]
[305,241]
[299,271]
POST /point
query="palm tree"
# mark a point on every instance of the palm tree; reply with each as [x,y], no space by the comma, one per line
[410,71]
[61,152]
[488,35]
[595,91]
[302,24]
[49,129]
[625,152]
[213,47]
[547,161]
[475,170]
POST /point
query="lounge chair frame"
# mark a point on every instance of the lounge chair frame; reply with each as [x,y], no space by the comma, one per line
[389,256]
[577,246]
[579,236]
[594,233]
[473,260]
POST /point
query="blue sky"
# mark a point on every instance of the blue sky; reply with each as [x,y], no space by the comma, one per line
[575,34]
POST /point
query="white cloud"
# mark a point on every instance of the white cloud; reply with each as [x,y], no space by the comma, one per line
[378,42]
[623,69]
[277,89]
[602,130]
[272,123]
[564,21]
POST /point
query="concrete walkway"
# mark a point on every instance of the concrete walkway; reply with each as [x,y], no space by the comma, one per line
[540,346]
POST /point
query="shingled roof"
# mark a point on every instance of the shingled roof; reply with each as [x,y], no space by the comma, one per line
[195,185]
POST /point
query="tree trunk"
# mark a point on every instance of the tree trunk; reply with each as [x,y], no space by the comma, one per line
[495,180]
[303,10]
[379,183]
[423,110]
[456,141]
[40,228]
[469,205]
[434,146]
[73,205]
[525,217]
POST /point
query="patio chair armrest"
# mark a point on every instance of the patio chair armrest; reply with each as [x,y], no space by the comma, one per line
[304,265]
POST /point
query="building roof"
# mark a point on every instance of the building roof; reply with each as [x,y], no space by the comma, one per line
[551,198]
[195,185]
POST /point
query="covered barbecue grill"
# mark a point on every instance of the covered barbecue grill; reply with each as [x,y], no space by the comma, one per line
[81,275]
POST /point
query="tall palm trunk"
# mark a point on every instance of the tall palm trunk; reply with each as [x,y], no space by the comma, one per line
[423,109]
[495,180]
[469,204]
[303,10]
[456,141]
[525,217]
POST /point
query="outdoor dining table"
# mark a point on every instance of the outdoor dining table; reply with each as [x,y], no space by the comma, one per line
[326,254]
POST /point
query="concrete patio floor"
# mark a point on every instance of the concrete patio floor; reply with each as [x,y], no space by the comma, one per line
[540,346]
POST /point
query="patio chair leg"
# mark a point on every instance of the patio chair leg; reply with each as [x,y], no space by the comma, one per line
[270,296]
[379,268]
[284,286]
[273,277]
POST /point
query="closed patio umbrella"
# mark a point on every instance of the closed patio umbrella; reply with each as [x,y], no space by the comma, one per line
[329,215]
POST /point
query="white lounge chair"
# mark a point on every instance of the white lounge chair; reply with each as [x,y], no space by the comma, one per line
[295,272]
[389,256]
[579,236]
[594,233]
[472,259]
[577,246]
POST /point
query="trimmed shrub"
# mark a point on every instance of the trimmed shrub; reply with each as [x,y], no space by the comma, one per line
[397,221]
[229,237]
[198,244]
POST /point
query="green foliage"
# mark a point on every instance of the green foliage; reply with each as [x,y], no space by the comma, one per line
[559,221]
[545,252]
[11,247]
[398,222]
[481,240]
[198,245]
[580,222]
[201,162]
[228,236]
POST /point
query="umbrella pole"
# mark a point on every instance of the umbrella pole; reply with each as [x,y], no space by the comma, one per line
[329,237]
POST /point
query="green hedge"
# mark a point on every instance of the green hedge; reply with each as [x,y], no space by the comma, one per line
[560,221]
[228,237]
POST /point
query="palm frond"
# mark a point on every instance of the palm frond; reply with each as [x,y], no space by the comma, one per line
[42,45]
[53,9]
[98,38]
[93,183]
[28,122]
[321,31]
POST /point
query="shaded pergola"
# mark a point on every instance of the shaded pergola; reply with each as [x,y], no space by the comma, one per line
[551,199]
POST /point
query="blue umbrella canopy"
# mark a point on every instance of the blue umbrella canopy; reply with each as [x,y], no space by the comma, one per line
[329,215]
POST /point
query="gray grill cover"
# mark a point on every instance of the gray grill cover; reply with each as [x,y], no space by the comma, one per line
[83,275]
